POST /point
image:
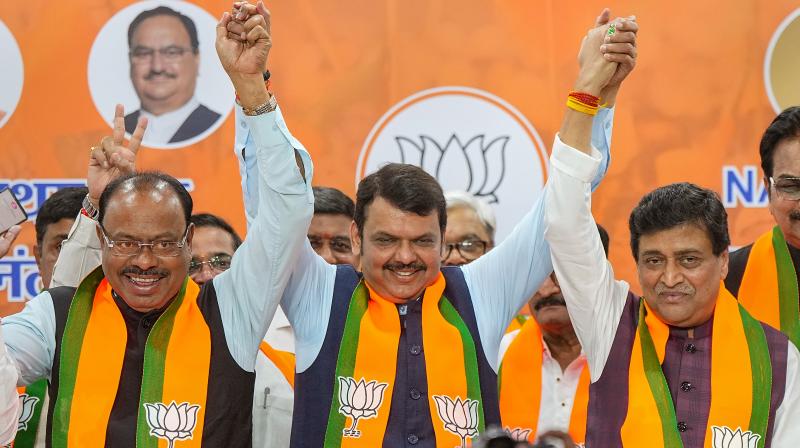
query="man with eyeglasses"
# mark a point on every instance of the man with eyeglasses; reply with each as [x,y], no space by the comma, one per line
[164,61]
[138,353]
[470,228]
[213,246]
[764,275]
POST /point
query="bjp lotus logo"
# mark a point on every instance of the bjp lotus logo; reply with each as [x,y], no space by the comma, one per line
[724,437]
[359,400]
[519,434]
[173,422]
[459,417]
[476,166]
[27,404]
[469,140]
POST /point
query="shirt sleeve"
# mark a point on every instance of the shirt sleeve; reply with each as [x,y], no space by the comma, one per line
[602,127]
[9,401]
[80,253]
[248,293]
[501,281]
[786,431]
[30,338]
[594,299]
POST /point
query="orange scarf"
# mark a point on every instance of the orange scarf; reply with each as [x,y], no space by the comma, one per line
[366,367]
[174,382]
[740,385]
[521,385]
[769,285]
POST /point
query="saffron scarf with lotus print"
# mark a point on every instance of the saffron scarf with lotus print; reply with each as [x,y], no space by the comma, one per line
[741,382]
[177,355]
[769,285]
[365,373]
[520,385]
[31,404]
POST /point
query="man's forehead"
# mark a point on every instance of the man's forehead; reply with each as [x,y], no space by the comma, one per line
[210,241]
[159,29]
[684,238]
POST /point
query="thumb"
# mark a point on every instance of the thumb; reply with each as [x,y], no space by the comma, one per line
[603,18]
[222,26]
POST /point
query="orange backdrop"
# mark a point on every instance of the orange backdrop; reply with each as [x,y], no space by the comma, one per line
[697,101]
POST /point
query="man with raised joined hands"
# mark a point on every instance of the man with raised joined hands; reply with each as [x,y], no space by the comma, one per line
[406,353]
[685,365]
[139,345]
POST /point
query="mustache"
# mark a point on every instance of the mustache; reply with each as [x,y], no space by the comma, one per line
[794,215]
[133,270]
[680,289]
[153,74]
[402,266]
[553,300]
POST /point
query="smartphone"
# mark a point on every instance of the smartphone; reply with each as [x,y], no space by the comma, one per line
[11,211]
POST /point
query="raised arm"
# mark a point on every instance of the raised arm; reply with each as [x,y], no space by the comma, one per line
[594,299]
[504,279]
[80,252]
[250,290]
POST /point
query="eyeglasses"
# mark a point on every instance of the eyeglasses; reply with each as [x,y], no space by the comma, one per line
[129,248]
[217,263]
[140,55]
[787,187]
[468,249]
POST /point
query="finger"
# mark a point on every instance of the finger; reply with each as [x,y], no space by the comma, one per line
[253,22]
[235,27]
[264,12]
[119,124]
[624,37]
[237,36]
[628,25]
[222,26]
[622,59]
[256,34]
[12,232]
[138,134]
[244,11]
[602,19]
[623,49]
[98,157]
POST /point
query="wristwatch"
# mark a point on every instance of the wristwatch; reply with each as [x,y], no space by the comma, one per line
[88,209]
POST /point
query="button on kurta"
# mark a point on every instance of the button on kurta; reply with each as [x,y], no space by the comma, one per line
[415,350]
[412,439]
[414,394]
[686,386]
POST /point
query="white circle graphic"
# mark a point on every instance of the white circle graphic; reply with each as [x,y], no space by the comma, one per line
[12,75]
[110,78]
[793,65]
[468,139]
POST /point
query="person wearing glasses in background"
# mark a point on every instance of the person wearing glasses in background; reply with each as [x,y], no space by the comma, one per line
[164,59]
[764,275]
[329,232]
[470,228]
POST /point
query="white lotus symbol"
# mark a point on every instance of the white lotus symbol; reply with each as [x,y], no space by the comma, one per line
[27,404]
[519,434]
[724,437]
[476,166]
[359,400]
[173,422]
[459,417]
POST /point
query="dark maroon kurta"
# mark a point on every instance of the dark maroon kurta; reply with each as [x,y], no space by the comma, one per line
[687,368]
